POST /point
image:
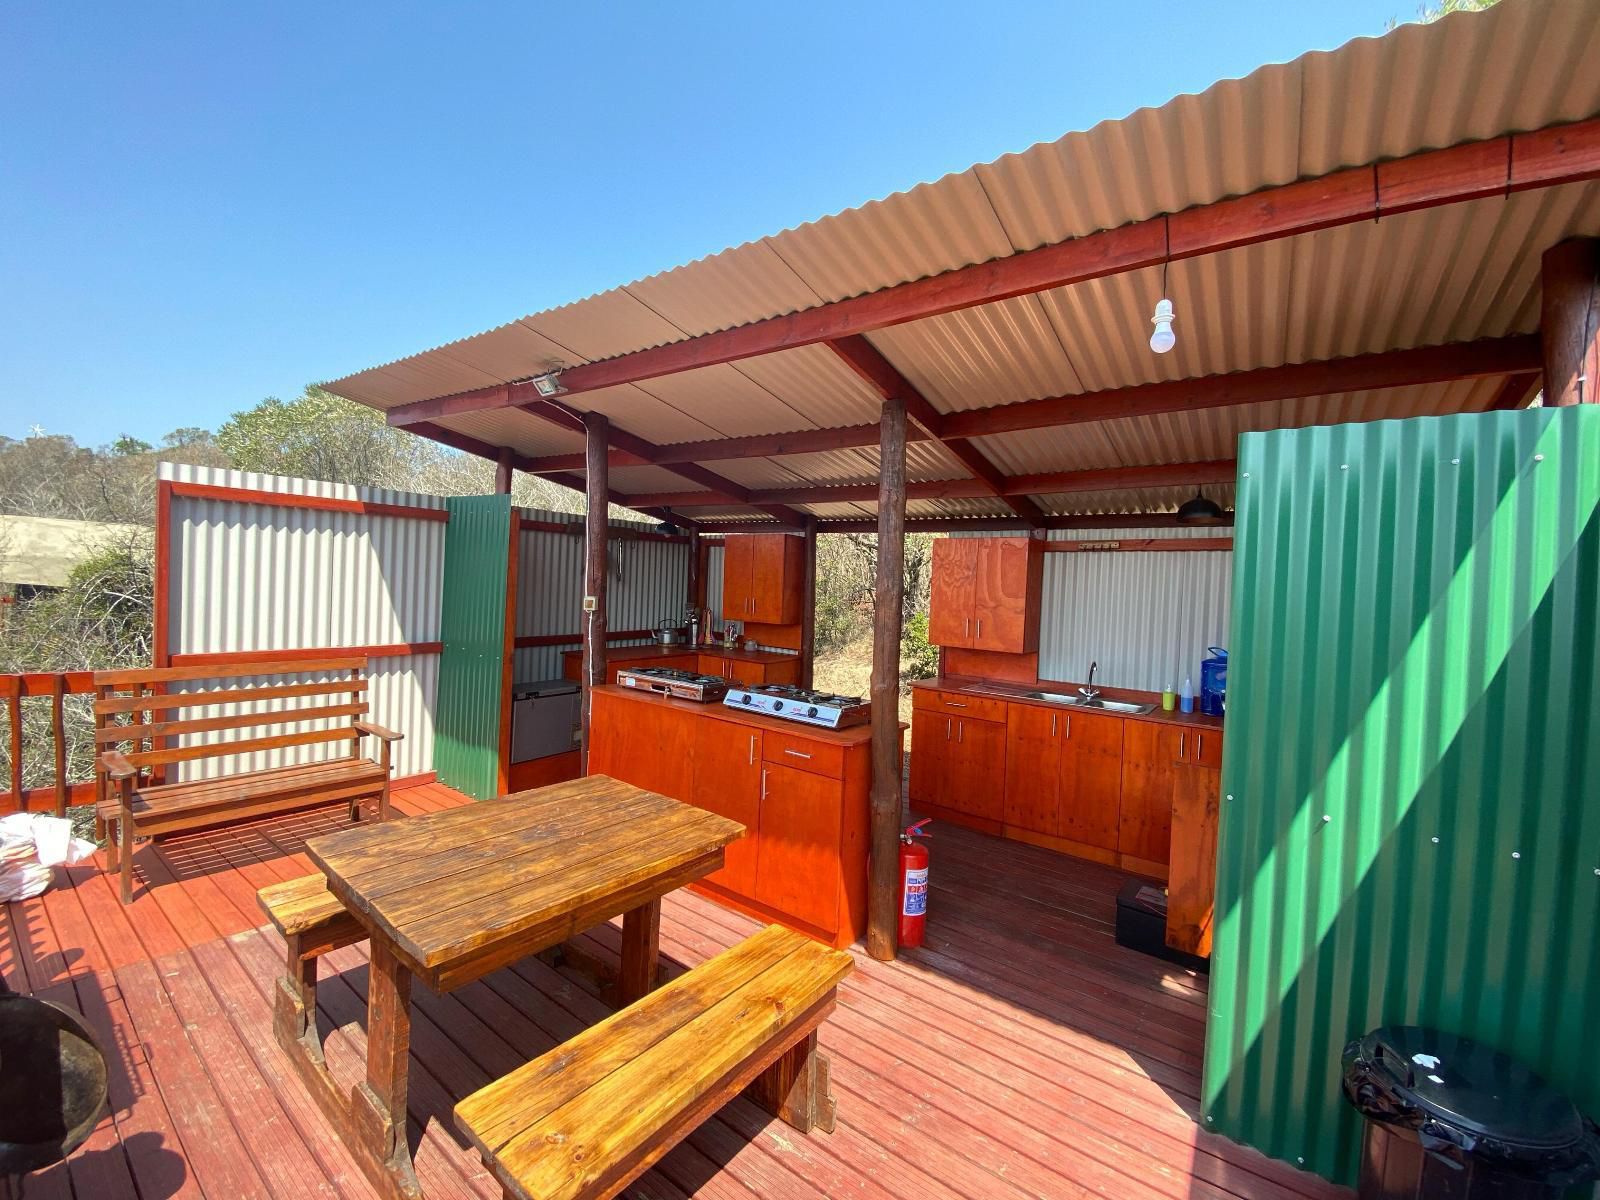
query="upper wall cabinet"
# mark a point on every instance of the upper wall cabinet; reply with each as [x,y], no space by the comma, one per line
[985,593]
[762,578]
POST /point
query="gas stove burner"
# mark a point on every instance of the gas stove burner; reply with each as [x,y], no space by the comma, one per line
[800,704]
[675,682]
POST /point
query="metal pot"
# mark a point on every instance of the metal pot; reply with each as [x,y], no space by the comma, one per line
[668,634]
[52,1082]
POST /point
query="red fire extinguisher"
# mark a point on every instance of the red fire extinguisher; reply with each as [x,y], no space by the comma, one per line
[913,884]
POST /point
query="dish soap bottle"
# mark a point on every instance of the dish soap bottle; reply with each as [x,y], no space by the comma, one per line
[1186,699]
[1169,699]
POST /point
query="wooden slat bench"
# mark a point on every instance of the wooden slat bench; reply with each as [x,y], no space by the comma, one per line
[313,923]
[135,710]
[589,1117]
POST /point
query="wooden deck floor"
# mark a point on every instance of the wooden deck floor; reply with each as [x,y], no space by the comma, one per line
[1022,1053]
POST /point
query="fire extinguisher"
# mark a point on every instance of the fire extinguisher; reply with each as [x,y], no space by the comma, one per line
[913,884]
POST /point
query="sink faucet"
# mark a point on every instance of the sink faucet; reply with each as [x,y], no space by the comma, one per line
[1090,692]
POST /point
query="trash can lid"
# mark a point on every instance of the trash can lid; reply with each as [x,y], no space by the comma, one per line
[1469,1086]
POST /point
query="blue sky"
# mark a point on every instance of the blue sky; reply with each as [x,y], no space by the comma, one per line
[203,204]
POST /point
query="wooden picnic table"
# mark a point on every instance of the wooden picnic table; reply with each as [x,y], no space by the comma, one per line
[451,896]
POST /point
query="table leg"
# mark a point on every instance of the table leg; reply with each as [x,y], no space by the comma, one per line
[378,1103]
[641,952]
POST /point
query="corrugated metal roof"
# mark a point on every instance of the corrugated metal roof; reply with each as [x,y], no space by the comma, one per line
[1358,288]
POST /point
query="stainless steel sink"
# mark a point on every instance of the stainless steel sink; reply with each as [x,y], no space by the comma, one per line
[1116,706]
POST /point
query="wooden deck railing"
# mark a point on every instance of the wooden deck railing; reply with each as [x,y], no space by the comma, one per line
[46,692]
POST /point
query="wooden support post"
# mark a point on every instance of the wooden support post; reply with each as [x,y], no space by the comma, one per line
[502,473]
[595,530]
[882,917]
[692,587]
[58,734]
[808,605]
[1569,322]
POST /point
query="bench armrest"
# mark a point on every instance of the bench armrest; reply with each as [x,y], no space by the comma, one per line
[116,765]
[377,731]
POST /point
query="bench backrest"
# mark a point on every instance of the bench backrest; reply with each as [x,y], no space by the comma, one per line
[136,708]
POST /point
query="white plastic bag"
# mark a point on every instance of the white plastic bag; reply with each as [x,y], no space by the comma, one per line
[30,844]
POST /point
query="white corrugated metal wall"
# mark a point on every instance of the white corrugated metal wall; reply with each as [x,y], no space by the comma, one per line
[1146,618]
[649,580]
[248,576]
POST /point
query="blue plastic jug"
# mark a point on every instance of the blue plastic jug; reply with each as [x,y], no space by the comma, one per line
[1214,681]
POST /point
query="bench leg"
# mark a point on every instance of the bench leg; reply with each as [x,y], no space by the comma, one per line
[125,836]
[294,1010]
[378,1103]
[796,1089]
[105,831]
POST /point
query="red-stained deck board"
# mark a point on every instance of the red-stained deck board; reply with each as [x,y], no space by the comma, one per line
[1022,1053]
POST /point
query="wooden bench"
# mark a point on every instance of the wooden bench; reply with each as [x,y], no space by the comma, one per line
[589,1117]
[312,922]
[135,709]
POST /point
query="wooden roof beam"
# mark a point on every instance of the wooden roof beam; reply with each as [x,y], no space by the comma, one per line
[1470,171]
[1107,479]
[975,524]
[867,361]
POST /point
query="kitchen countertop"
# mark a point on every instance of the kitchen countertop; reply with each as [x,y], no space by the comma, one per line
[853,735]
[1016,693]
[638,653]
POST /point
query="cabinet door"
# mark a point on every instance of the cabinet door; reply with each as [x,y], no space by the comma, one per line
[797,848]
[1192,877]
[727,781]
[737,567]
[787,671]
[1006,580]
[976,782]
[1091,779]
[741,671]
[1033,765]
[931,739]
[1150,752]
[775,579]
[951,591]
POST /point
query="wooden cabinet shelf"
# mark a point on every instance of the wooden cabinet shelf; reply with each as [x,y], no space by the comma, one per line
[984,594]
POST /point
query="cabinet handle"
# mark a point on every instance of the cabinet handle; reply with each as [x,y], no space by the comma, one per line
[966,626]
[947,721]
[1199,745]
[980,629]
[1054,717]
[763,783]
[1069,725]
[954,704]
[1183,745]
[752,749]
[796,753]
[960,729]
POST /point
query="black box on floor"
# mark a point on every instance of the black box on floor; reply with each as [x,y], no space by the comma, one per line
[1142,924]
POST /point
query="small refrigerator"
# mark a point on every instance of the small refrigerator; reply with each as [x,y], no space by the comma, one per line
[544,718]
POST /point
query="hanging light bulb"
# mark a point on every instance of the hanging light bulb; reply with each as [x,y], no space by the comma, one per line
[1163,339]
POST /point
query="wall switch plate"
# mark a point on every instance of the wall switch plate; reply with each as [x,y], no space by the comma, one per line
[589,604]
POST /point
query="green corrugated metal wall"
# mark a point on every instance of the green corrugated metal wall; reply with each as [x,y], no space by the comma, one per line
[477,544]
[1411,823]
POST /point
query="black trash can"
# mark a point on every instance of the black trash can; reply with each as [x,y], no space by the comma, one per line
[1448,1119]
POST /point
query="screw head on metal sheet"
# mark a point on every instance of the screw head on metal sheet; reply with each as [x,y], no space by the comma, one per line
[1436,841]
[1455,462]
[1538,458]
[1230,797]
[1301,1159]
[1344,466]
[1516,854]
[1326,818]
[1246,475]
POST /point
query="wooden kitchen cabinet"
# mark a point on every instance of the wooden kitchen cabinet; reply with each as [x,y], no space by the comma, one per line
[984,593]
[963,764]
[1149,752]
[762,578]
[1091,779]
[727,781]
[797,865]
[651,747]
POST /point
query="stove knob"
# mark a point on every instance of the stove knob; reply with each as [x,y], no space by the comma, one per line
[777,706]
[811,712]
[745,698]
